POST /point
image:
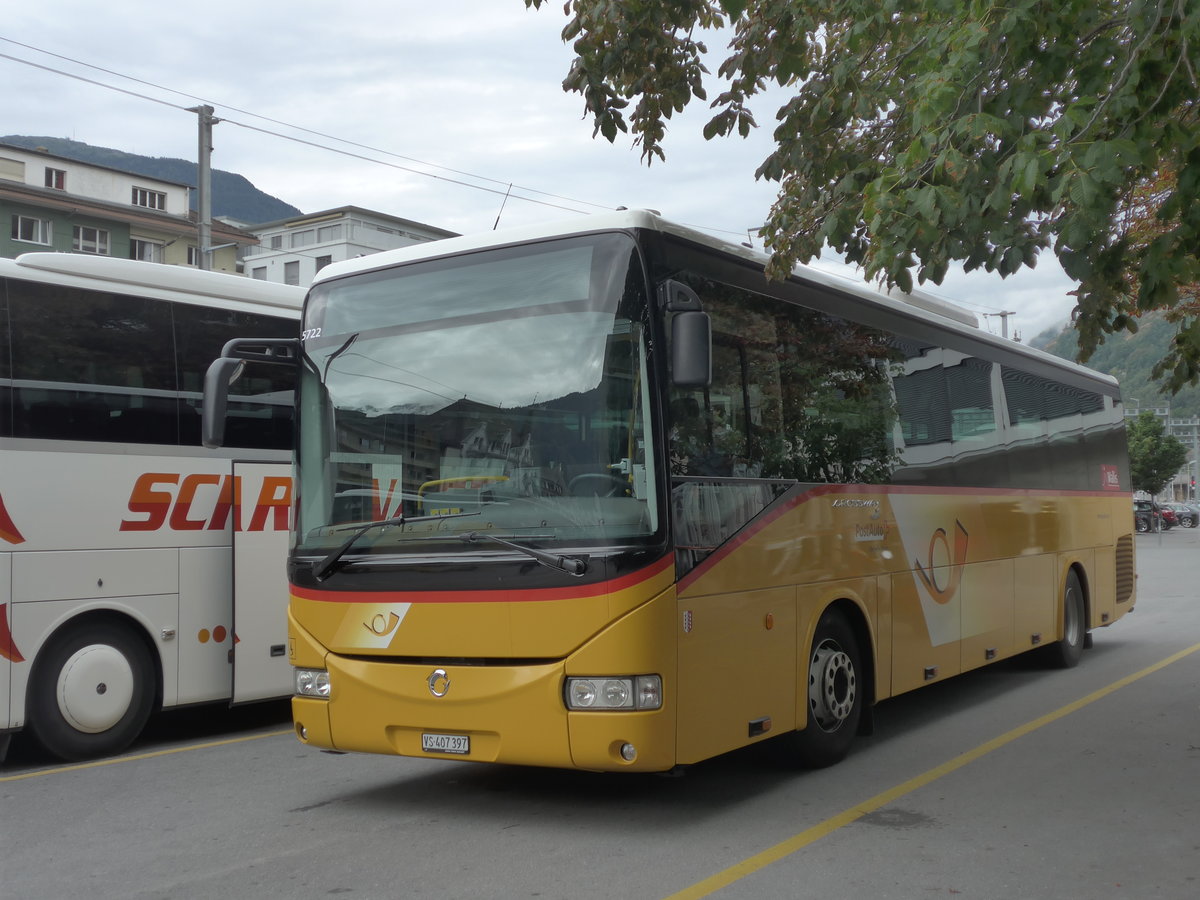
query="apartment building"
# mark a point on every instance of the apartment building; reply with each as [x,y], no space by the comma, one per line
[292,251]
[52,203]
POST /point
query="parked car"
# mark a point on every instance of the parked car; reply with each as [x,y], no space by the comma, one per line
[1150,516]
[1188,516]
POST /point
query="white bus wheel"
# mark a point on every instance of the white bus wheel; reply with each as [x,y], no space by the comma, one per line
[91,692]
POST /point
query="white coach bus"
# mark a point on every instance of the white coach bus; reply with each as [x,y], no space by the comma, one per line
[138,571]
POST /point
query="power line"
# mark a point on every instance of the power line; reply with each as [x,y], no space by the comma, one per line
[110,87]
[299,128]
[392,165]
[509,187]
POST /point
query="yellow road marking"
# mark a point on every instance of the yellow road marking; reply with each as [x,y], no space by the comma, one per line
[125,759]
[811,835]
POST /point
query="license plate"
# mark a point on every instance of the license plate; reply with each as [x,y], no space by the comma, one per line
[446,743]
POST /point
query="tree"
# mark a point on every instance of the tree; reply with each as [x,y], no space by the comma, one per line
[921,132]
[1154,456]
[1140,226]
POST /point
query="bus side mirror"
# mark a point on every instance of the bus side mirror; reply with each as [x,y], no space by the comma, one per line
[225,370]
[691,350]
[691,335]
[221,375]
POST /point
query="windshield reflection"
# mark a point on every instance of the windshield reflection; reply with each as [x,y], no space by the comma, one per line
[507,411]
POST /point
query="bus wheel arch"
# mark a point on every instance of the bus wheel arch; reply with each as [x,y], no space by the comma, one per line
[92,687]
[837,686]
[1074,617]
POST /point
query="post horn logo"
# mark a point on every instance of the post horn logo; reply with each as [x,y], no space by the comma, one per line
[439,682]
[381,625]
[929,575]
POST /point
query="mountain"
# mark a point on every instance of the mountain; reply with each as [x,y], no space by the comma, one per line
[1130,358]
[232,195]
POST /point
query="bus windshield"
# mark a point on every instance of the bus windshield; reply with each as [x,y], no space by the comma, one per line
[502,393]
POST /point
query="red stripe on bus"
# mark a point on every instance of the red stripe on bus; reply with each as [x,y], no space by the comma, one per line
[8,649]
[8,529]
[507,595]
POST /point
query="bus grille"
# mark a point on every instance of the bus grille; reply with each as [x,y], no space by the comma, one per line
[1124,568]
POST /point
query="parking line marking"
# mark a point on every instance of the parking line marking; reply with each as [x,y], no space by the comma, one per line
[124,759]
[811,835]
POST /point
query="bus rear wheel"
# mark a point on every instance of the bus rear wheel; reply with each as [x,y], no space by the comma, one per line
[1065,654]
[834,693]
[91,692]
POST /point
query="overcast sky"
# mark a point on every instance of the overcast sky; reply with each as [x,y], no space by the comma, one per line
[450,103]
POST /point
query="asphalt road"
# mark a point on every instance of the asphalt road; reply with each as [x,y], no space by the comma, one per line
[1011,782]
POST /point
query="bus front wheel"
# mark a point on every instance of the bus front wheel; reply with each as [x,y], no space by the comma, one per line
[835,693]
[91,692]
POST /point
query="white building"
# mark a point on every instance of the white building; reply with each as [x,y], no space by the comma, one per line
[292,251]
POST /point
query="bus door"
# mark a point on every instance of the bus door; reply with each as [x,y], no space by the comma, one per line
[261,669]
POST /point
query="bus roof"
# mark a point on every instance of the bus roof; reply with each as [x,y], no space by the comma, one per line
[919,304]
[137,276]
[621,221]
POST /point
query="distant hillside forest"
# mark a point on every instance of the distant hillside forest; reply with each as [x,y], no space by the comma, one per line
[232,195]
[1130,358]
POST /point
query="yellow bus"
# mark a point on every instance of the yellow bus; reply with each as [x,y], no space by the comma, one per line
[603,496]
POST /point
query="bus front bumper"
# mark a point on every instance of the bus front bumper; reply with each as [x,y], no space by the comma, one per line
[506,714]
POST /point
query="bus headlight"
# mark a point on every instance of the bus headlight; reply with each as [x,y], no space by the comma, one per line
[626,692]
[312,683]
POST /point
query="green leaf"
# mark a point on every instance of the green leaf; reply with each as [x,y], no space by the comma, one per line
[608,128]
[718,125]
[1028,168]
[925,202]
[1083,189]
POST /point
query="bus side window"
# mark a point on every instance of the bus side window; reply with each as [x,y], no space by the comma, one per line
[261,403]
[82,360]
[155,421]
[6,411]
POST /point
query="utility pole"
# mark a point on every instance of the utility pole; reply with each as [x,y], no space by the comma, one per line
[1003,316]
[204,184]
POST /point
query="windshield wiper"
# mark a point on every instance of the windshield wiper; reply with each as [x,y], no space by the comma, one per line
[322,567]
[572,565]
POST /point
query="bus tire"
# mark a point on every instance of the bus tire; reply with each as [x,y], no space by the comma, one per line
[92,689]
[834,693]
[1065,654]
